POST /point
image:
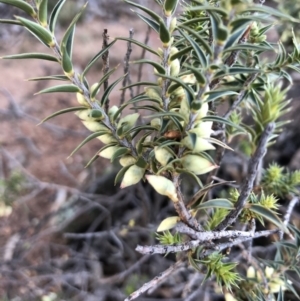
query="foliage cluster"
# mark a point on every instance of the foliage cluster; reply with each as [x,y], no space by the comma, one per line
[214,52]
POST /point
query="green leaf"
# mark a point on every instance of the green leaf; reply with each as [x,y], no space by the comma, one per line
[70,29]
[109,89]
[66,50]
[269,215]
[181,171]
[160,69]
[198,74]
[164,33]
[43,12]
[208,8]
[88,139]
[271,11]
[213,95]
[120,152]
[121,173]
[38,31]
[54,14]
[247,47]
[61,88]
[93,159]
[180,53]
[22,5]
[33,55]
[95,58]
[148,11]
[142,45]
[154,25]
[13,22]
[234,36]
[63,112]
[50,77]
[102,80]
[140,84]
[200,40]
[216,203]
[180,83]
[221,120]
[199,52]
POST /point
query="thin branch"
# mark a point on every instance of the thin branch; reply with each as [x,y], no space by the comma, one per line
[139,77]
[249,181]
[126,69]
[181,208]
[155,281]
[105,59]
[293,202]
[235,237]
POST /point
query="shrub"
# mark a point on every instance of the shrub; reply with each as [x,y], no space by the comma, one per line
[214,52]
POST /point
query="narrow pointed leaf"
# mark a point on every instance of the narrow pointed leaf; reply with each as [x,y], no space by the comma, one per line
[63,112]
[196,178]
[199,52]
[222,120]
[93,159]
[95,58]
[216,203]
[54,15]
[269,215]
[37,30]
[33,55]
[7,21]
[140,84]
[121,173]
[50,77]
[61,88]
[88,139]
[109,89]
[120,152]
[208,8]
[142,45]
[102,80]
[160,69]
[21,5]
[180,53]
[199,38]
[154,25]
[43,12]
[271,11]
[71,26]
[213,95]
[148,11]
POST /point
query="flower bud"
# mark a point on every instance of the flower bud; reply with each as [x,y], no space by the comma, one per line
[108,152]
[173,25]
[94,126]
[112,111]
[107,138]
[203,111]
[162,155]
[173,50]
[196,164]
[127,122]
[81,100]
[93,87]
[156,122]
[175,68]
[202,129]
[89,115]
[127,160]
[168,223]
[163,186]
[189,79]
[132,176]
[153,92]
[200,145]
